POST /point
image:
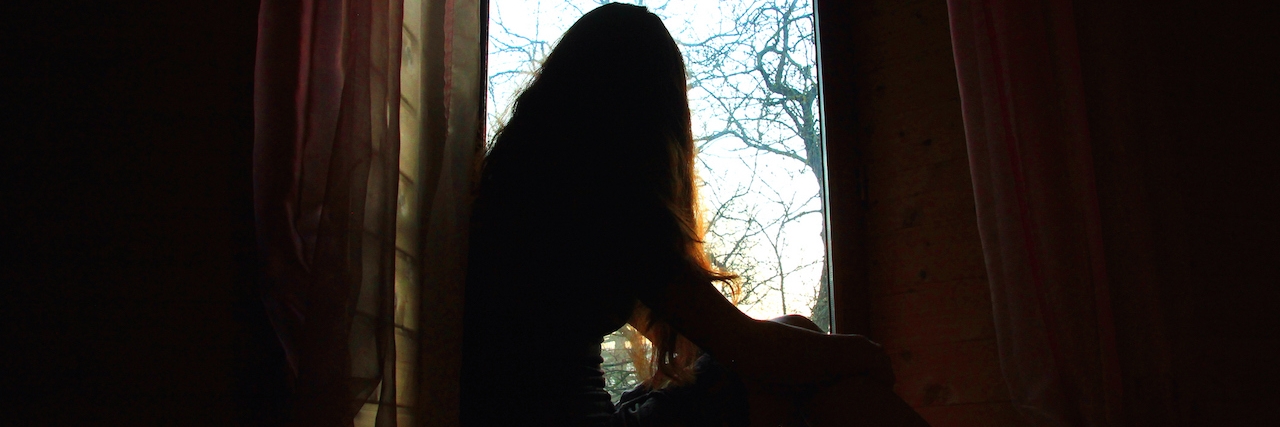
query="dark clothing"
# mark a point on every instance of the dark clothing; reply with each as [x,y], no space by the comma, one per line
[547,279]
[718,398]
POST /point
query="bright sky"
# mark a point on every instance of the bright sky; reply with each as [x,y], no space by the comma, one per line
[725,165]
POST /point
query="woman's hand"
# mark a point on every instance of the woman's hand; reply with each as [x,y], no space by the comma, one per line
[865,356]
[777,353]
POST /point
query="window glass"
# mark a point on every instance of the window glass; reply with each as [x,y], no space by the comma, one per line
[753,91]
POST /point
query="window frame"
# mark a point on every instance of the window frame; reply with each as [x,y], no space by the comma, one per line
[845,171]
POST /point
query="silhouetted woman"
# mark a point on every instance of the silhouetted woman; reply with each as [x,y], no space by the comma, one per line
[587,219]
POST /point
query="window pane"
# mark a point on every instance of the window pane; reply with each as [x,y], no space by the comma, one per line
[754,95]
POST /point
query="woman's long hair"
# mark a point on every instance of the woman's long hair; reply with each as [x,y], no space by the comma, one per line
[610,104]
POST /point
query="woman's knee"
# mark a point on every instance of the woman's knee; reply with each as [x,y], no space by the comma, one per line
[797,321]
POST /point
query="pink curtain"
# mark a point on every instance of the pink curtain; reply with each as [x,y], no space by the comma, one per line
[1031,157]
[325,174]
[368,124]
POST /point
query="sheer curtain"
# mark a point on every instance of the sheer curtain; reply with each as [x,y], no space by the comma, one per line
[1075,285]
[367,125]
[1030,156]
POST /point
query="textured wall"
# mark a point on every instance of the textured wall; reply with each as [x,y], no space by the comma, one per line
[929,301]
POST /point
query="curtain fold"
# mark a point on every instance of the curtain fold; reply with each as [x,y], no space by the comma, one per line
[366,134]
[450,170]
[1031,159]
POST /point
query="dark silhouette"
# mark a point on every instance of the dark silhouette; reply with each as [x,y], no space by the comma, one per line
[587,219]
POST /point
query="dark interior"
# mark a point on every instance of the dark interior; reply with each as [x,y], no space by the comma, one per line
[130,252]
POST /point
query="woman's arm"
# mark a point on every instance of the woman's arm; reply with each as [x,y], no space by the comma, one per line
[764,351]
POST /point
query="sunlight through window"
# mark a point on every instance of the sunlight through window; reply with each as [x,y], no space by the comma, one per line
[753,90]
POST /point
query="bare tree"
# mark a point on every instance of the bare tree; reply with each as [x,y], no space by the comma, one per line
[758,79]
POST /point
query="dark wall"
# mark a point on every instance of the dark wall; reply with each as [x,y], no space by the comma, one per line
[128,138]
[1182,102]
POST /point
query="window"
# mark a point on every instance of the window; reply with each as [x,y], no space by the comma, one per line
[753,91]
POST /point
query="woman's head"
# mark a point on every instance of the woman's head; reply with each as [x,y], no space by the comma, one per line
[612,96]
[617,65]
[608,114]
